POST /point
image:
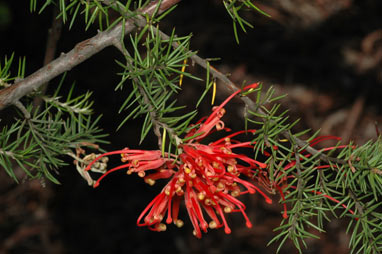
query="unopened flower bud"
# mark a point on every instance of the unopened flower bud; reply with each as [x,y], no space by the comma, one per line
[150,181]
[212,224]
[179,223]
[161,227]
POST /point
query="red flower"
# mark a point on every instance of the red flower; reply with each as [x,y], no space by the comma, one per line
[207,177]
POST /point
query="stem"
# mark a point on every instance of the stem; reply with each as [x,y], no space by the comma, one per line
[51,46]
[153,116]
[360,209]
[8,153]
[23,110]
[300,181]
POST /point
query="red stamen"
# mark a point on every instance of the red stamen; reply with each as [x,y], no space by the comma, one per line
[172,186]
[335,200]
[227,230]
[333,147]
[330,198]
[285,213]
[322,138]
[211,212]
[147,165]
[148,207]
[240,205]
[175,208]
[96,184]
[230,136]
[217,109]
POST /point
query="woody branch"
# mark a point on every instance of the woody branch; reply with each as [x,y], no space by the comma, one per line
[81,52]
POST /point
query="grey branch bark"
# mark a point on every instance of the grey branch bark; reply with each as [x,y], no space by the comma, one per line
[77,55]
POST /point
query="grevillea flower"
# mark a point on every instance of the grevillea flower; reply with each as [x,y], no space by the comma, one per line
[207,177]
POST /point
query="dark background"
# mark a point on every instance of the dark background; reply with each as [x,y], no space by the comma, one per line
[325,54]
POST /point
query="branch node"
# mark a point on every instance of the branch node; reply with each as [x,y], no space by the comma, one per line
[22,108]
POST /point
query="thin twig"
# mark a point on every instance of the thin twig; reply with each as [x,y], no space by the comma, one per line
[360,209]
[153,116]
[23,110]
[54,34]
[300,188]
[300,181]
[8,153]
[353,117]
[152,113]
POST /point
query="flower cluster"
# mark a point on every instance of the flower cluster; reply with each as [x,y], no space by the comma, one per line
[209,178]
